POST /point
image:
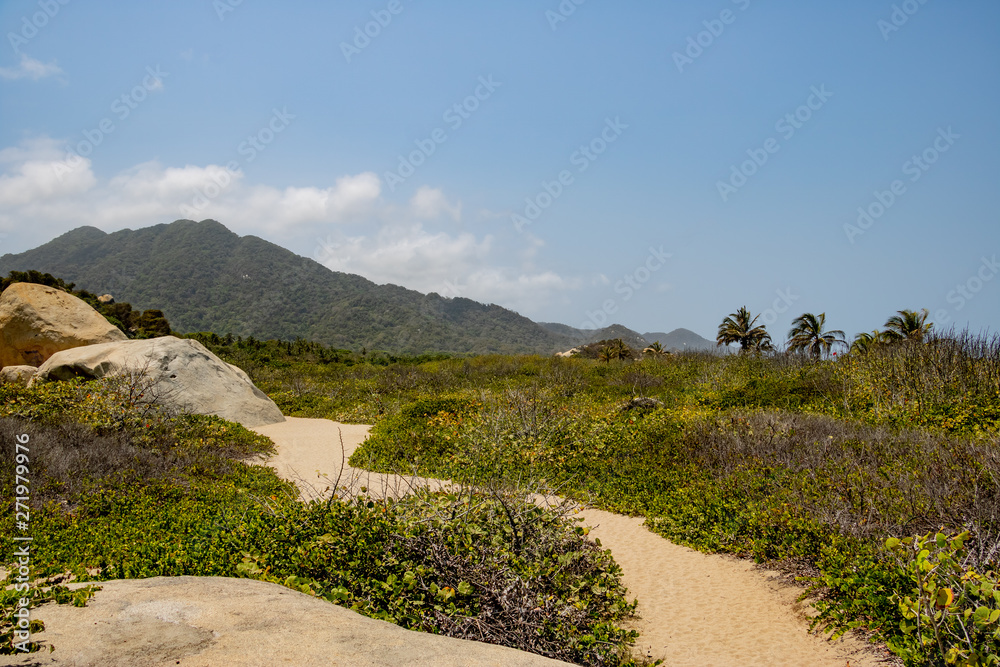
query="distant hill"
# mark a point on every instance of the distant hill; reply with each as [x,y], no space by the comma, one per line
[680,339]
[206,278]
[587,336]
[631,338]
[573,334]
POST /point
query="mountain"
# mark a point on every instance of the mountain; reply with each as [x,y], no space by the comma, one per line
[575,336]
[587,336]
[206,278]
[680,339]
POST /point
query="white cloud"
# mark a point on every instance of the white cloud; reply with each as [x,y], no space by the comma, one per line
[350,199]
[451,265]
[429,203]
[29,68]
[40,177]
[32,179]
[405,255]
[385,242]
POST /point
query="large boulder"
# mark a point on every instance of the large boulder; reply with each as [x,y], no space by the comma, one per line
[37,321]
[220,622]
[183,374]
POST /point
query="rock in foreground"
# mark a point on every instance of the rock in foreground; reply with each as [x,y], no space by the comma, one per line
[185,377]
[37,321]
[17,374]
[218,622]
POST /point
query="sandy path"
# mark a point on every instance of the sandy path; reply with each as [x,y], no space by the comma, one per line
[696,609]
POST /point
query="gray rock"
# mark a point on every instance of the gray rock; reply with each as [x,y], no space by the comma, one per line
[221,622]
[239,371]
[182,373]
[37,321]
[17,374]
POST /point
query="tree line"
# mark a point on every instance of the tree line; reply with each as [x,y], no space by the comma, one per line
[809,334]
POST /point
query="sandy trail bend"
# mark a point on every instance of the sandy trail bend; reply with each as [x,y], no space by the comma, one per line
[696,609]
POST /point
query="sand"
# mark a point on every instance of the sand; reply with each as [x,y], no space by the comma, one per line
[695,608]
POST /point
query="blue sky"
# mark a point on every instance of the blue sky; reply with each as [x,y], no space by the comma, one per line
[653,164]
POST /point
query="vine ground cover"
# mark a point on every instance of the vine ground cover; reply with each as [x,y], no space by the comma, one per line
[125,491]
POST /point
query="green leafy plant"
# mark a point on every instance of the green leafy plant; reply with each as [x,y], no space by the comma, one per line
[953,614]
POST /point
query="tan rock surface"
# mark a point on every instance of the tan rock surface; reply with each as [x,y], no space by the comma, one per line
[185,375]
[37,321]
[17,374]
[220,622]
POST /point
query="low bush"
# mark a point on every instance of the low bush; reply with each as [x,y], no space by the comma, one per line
[148,494]
[952,612]
[781,487]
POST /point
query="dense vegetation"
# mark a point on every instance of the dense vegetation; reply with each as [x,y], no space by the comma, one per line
[806,463]
[206,278]
[120,490]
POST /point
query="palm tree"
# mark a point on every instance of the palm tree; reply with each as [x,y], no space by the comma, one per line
[807,334]
[739,328]
[907,325]
[606,354]
[620,349]
[655,350]
[865,342]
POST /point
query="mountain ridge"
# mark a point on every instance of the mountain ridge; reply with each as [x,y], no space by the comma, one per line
[205,277]
[680,339]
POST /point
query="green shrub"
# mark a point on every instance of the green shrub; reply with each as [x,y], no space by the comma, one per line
[952,613]
[425,433]
[122,491]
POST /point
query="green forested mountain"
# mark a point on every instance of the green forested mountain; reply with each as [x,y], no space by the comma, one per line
[206,278]
[680,339]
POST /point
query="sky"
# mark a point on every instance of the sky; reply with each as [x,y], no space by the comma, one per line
[657,165]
